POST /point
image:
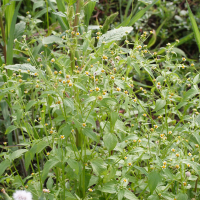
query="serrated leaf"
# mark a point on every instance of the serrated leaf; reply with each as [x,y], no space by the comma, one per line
[50,183]
[90,133]
[196,79]
[61,14]
[30,104]
[98,166]
[80,86]
[129,195]
[182,196]
[23,67]
[121,194]
[109,187]
[160,103]
[69,103]
[108,21]
[41,145]
[4,165]
[114,35]
[17,154]
[153,179]
[49,165]
[51,39]
[110,141]
[88,100]
[19,29]
[10,129]
[73,164]
[120,83]
[181,104]
[189,94]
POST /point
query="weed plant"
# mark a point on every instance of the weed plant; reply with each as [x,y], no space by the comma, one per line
[96,116]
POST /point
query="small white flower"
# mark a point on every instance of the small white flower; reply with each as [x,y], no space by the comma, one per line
[24,36]
[22,195]
[188,174]
[46,190]
[15,40]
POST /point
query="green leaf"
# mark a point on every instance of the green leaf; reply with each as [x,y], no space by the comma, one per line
[88,100]
[197,119]
[49,165]
[51,39]
[17,154]
[98,166]
[148,70]
[160,103]
[153,179]
[90,133]
[70,2]
[80,86]
[42,12]
[129,195]
[196,79]
[41,145]
[4,165]
[10,129]
[110,141]
[181,104]
[194,26]
[114,35]
[189,94]
[154,36]
[19,30]
[153,197]
[108,21]
[109,187]
[120,83]
[61,14]
[121,194]
[27,159]
[182,196]
[50,183]
[30,104]
[113,118]
[69,103]
[140,14]
[23,67]
[74,165]
[85,45]
[88,9]
[9,55]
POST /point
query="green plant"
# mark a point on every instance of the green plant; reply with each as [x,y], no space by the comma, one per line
[99,116]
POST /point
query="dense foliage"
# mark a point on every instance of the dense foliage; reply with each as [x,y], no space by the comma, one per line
[92,111]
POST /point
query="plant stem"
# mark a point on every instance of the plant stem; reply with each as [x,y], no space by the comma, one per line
[3,36]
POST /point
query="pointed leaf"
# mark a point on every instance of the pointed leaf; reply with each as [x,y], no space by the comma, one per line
[160,103]
[153,179]
[110,141]
[3,166]
[90,133]
[10,129]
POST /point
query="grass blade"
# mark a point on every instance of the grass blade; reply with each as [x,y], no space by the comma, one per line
[9,56]
[141,13]
[153,39]
[88,9]
[194,27]
[9,12]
